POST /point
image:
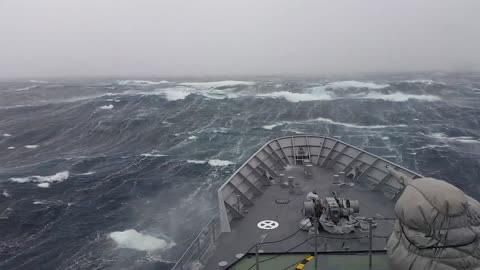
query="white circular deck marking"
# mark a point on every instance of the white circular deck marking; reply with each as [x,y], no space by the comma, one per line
[223,263]
[267,224]
[239,255]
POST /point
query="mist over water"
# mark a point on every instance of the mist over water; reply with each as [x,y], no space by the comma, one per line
[122,173]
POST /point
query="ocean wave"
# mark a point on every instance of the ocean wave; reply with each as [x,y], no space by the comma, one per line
[6,194]
[11,147]
[422,81]
[134,240]
[7,135]
[31,146]
[87,173]
[192,137]
[40,202]
[37,81]
[321,93]
[26,88]
[462,139]
[219,162]
[331,122]
[172,94]
[356,84]
[44,181]
[196,161]
[153,154]
[140,82]
[399,97]
[219,84]
[106,107]
[298,97]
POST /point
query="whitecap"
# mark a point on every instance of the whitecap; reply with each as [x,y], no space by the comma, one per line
[331,122]
[422,81]
[192,137]
[398,97]
[321,93]
[107,107]
[134,240]
[272,126]
[37,81]
[219,162]
[7,135]
[40,202]
[210,85]
[44,181]
[26,88]
[356,84]
[172,94]
[11,147]
[196,161]
[31,146]
[6,194]
[462,139]
[140,82]
[297,97]
[87,173]
[152,155]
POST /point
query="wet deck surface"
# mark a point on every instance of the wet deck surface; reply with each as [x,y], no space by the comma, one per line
[245,232]
[325,261]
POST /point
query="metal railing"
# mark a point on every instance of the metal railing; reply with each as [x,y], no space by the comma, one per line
[204,241]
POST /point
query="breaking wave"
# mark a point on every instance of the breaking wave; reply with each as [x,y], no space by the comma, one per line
[31,146]
[321,93]
[196,161]
[107,107]
[152,155]
[37,81]
[140,82]
[356,84]
[445,138]
[44,181]
[298,97]
[211,162]
[219,162]
[331,122]
[219,84]
[134,240]
[26,88]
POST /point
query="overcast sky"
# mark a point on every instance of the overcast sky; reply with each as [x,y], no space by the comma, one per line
[225,37]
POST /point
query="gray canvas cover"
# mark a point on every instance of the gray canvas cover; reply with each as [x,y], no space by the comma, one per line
[438,227]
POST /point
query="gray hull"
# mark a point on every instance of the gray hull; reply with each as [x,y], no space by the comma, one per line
[255,192]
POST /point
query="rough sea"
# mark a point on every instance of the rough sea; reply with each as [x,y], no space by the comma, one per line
[122,173]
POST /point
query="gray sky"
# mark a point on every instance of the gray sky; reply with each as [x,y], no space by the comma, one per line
[225,37]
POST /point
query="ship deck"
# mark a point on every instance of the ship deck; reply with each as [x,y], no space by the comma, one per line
[245,233]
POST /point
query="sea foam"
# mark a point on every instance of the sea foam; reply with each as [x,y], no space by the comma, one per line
[331,122]
[44,181]
[210,85]
[140,82]
[219,162]
[107,107]
[31,146]
[356,84]
[134,240]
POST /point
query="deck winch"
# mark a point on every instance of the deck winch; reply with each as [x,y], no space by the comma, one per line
[334,214]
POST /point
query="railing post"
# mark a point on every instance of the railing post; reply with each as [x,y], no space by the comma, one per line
[213,233]
[238,203]
[370,239]
[257,263]
[198,246]
[316,242]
